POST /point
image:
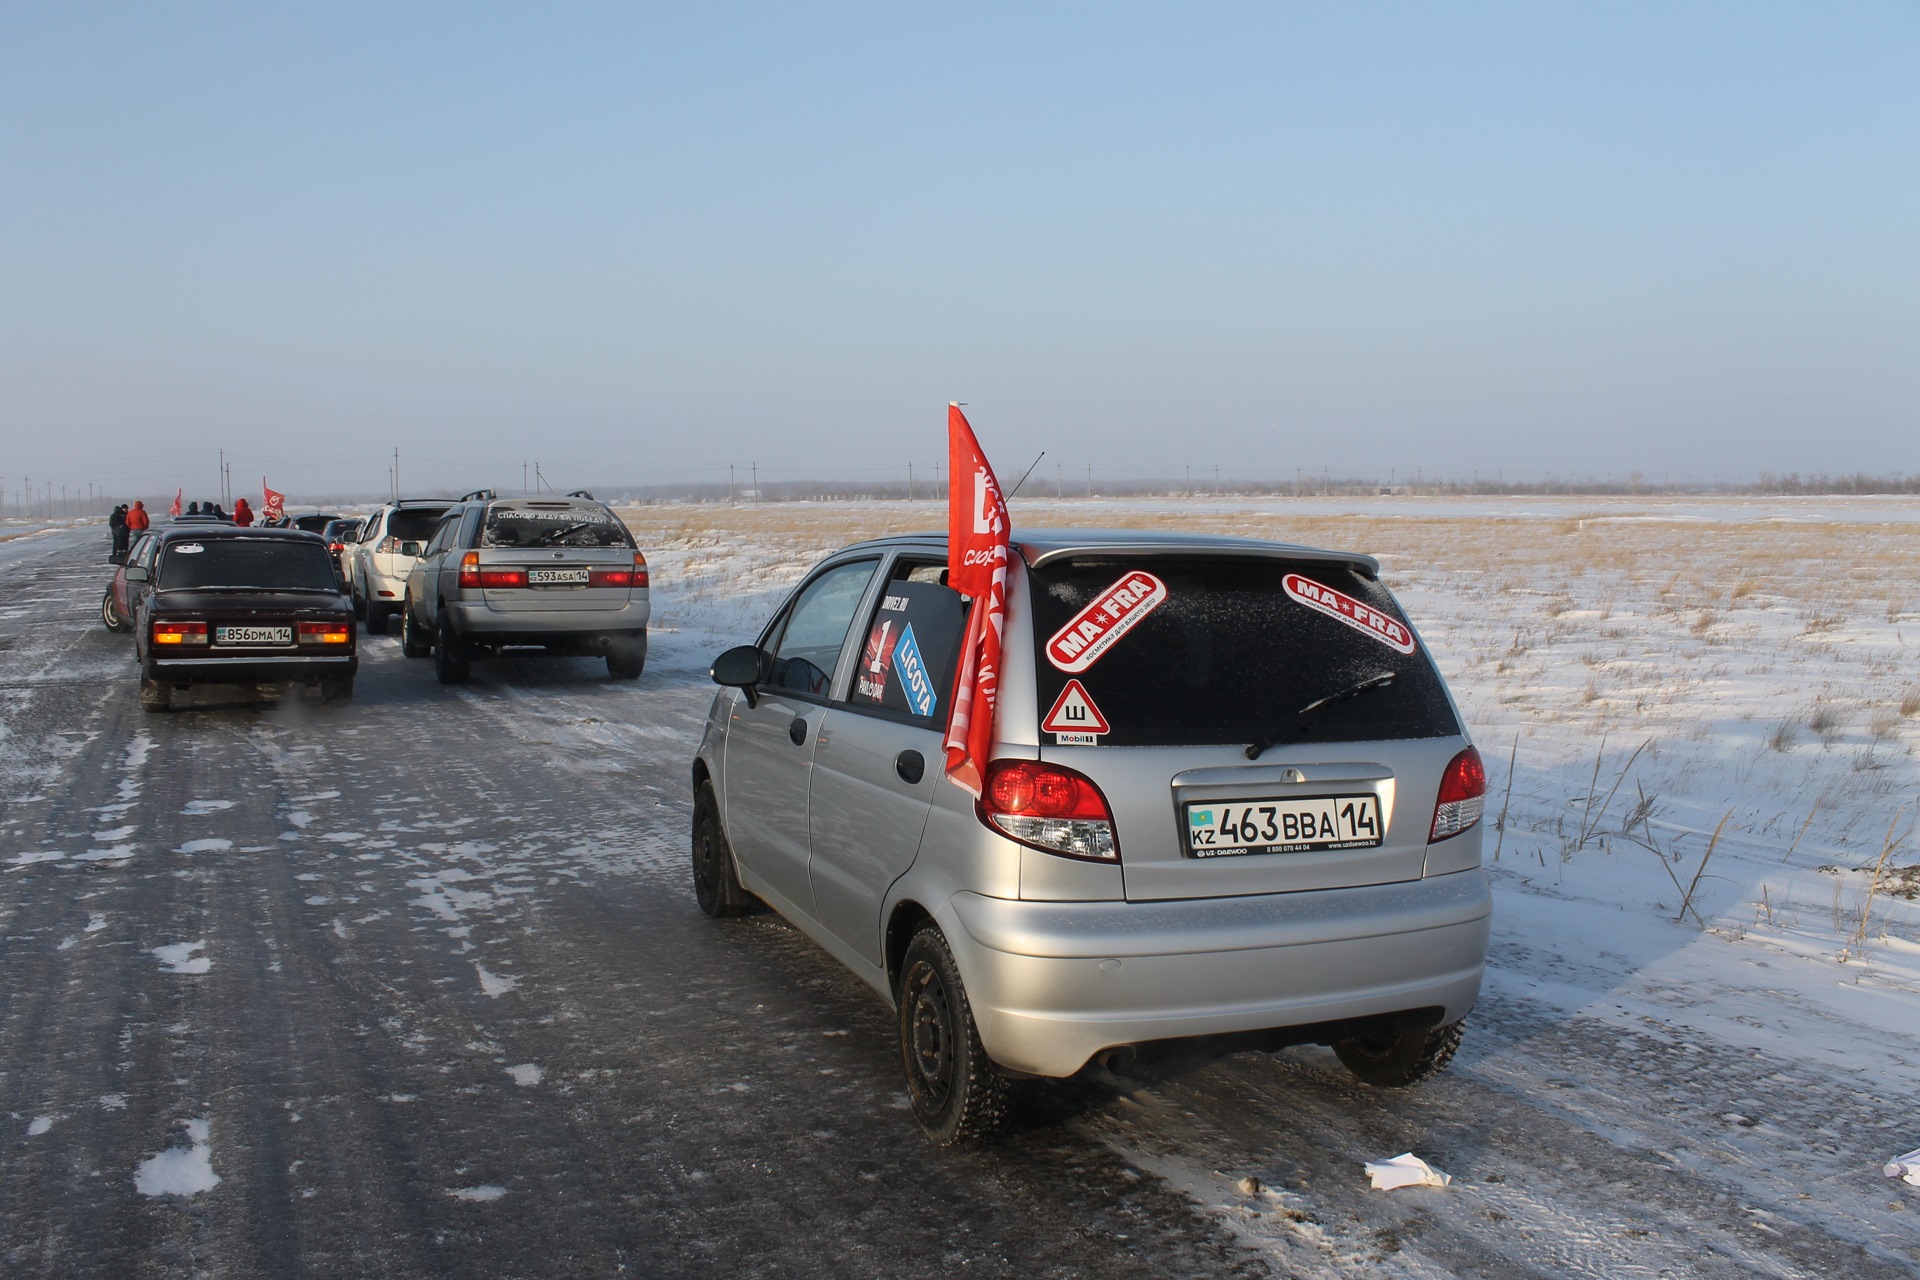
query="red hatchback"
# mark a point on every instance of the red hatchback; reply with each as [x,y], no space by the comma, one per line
[226,605]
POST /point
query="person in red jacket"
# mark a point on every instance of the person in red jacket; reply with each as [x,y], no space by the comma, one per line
[137,518]
[242,513]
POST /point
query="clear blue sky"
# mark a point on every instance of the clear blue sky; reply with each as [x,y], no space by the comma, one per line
[642,242]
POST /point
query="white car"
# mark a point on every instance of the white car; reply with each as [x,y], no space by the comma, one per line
[376,567]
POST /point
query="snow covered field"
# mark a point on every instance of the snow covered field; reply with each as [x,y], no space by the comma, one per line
[1698,716]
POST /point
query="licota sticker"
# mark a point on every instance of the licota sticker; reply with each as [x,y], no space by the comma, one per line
[1113,613]
[1358,614]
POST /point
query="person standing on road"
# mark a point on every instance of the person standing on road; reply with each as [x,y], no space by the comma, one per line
[137,521]
[242,513]
[117,524]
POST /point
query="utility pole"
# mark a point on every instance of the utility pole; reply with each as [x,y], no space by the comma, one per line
[1089,479]
[1058,481]
[909,482]
[220,475]
[729,484]
[756,481]
[396,473]
[1189,479]
[523,477]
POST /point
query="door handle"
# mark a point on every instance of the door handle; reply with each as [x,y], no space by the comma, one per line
[910,765]
[798,731]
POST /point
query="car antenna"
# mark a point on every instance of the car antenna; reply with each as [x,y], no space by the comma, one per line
[1024,474]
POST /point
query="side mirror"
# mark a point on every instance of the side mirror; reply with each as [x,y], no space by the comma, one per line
[743,667]
[137,574]
[410,549]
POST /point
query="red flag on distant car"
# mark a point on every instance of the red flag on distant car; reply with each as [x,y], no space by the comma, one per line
[273,504]
[174,510]
[977,529]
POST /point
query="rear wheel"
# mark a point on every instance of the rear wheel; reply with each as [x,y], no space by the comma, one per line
[716,886]
[450,662]
[957,1096]
[359,601]
[627,657]
[110,613]
[1398,1059]
[414,641]
[155,695]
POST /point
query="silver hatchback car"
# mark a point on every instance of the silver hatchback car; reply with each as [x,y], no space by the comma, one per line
[1229,794]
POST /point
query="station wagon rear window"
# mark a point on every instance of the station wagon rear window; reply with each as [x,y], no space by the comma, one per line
[1226,650]
[246,564]
[554,526]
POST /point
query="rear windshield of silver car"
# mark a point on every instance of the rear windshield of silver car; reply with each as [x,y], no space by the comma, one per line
[553,526]
[1216,650]
[246,564]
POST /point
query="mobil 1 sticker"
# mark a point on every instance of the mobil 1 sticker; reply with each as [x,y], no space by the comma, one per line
[1074,720]
[1358,614]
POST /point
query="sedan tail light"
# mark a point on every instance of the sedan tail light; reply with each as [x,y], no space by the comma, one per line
[179,633]
[1049,808]
[1463,789]
[325,633]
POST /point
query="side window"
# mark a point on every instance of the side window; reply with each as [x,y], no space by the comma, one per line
[143,554]
[913,643]
[469,527]
[816,629]
[442,535]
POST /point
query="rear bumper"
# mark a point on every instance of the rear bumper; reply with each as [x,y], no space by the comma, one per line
[1051,984]
[278,669]
[535,626]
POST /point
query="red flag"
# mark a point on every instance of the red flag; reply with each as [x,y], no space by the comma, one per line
[272,504]
[977,530]
[174,510]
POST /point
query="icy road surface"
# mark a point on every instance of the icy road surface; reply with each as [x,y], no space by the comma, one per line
[417,986]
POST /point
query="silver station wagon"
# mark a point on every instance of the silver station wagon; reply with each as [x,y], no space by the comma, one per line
[1229,793]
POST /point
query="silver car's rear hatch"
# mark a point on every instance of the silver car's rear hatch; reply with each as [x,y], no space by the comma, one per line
[1257,724]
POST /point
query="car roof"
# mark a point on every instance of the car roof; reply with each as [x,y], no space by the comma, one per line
[200,533]
[1041,547]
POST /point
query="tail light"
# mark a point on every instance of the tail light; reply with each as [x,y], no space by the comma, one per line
[634,577]
[1049,808]
[1463,790]
[388,546]
[475,574]
[325,633]
[179,633]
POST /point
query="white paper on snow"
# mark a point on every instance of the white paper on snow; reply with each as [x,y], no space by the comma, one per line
[1406,1170]
[1906,1168]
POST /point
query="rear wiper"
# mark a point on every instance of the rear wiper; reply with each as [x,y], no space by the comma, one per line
[1257,748]
[548,539]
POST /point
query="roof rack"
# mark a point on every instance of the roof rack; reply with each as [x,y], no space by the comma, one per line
[582,493]
[478,495]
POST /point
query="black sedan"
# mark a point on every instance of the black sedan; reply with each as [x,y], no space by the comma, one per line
[242,606]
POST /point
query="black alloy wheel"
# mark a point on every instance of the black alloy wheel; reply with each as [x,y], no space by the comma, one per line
[1398,1059]
[716,886]
[627,657]
[450,662]
[957,1095]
